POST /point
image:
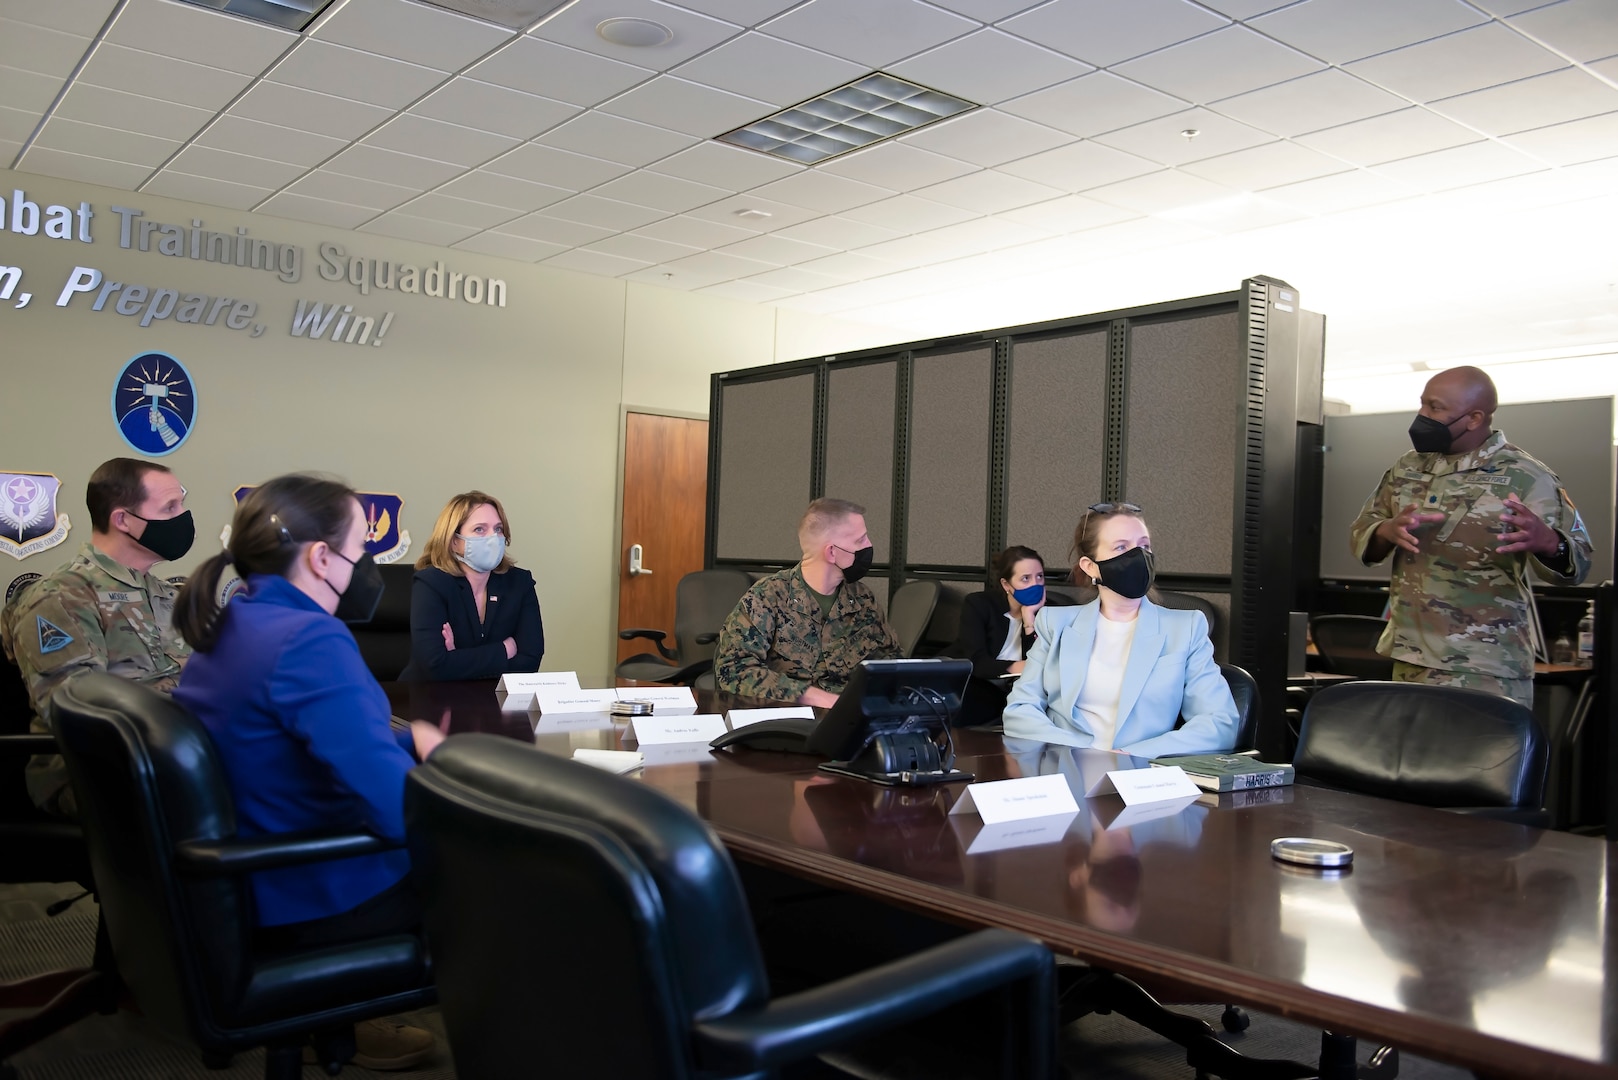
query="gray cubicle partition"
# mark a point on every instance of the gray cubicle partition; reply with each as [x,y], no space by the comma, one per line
[960,446]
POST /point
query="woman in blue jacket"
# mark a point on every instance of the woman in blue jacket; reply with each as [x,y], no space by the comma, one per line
[1118,672]
[473,612]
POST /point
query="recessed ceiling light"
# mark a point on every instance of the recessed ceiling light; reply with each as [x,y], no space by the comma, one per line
[1191,133]
[287,14]
[634,33]
[868,110]
[750,212]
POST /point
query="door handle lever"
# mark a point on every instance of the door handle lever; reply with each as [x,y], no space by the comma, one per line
[635,556]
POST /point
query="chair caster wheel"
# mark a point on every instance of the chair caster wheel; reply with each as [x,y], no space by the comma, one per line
[1234,1019]
[215,1061]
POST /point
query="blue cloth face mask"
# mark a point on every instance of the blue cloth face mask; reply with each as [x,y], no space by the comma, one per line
[483,553]
[1029,596]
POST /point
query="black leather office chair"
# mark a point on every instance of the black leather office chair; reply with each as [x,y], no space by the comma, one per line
[1460,750]
[702,602]
[585,925]
[1244,690]
[385,641]
[1187,602]
[910,608]
[174,890]
[1347,645]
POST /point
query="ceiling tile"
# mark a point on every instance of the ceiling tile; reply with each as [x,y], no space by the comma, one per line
[1338,31]
[256,172]
[1082,165]
[1129,237]
[554,230]
[1569,94]
[553,71]
[725,166]
[1568,144]
[712,266]
[240,135]
[615,139]
[1161,191]
[473,215]
[989,67]
[668,193]
[1469,60]
[405,227]
[28,89]
[499,109]
[1069,214]
[896,165]
[795,279]
[390,166]
[604,213]
[978,235]
[988,192]
[693,33]
[131,112]
[34,48]
[16,125]
[1266,166]
[85,17]
[351,190]
[693,232]
[1458,167]
[411,134]
[205,189]
[777,250]
[92,140]
[908,214]
[825,192]
[1239,213]
[509,247]
[1385,138]
[1325,99]
[849,266]
[120,68]
[641,248]
[987,10]
[1582,29]
[91,170]
[593,262]
[747,291]
[414,33]
[740,12]
[838,233]
[1244,9]
[350,73]
[1508,7]
[193,33]
[988,138]
[725,213]
[875,35]
[1231,61]
[558,168]
[1161,139]
[689,107]
[292,107]
[488,187]
[1345,191]
[1094,103]
[316,211]
[768,69]
[1101,32]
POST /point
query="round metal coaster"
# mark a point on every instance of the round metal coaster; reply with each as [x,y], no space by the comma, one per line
[631,708]
[1305,851]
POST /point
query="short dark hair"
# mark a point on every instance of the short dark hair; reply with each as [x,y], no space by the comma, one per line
[120,482]
[1005,563]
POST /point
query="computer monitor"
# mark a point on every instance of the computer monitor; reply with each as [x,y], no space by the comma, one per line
[892,722]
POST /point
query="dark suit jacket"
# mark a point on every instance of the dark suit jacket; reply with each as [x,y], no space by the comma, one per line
[982,632]
[512,611]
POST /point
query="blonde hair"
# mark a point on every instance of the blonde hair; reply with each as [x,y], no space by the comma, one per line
[439,551]
[822,516]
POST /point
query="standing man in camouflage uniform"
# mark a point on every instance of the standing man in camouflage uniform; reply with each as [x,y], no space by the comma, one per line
[798,635]
[105,610]
[1461,515]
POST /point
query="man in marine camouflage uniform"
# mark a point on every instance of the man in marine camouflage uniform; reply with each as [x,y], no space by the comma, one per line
[798,635]
[105,610]
[1461,515]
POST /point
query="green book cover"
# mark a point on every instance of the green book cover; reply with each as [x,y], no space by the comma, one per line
[1229,772]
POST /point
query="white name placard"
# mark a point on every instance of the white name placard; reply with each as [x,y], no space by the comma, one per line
[1016,834]
[1140,786]
[1017,800]
[656,730]
[557,723]
[1143,812]
[529,682]
[743,717]
[664,699]
[553,699]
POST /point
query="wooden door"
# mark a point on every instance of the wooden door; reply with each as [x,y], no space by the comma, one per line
[665,512]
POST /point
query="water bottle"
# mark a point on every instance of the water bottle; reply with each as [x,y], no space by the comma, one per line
[1587,636]
[1562,649]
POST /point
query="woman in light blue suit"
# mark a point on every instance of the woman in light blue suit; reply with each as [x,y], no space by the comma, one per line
[1116,673]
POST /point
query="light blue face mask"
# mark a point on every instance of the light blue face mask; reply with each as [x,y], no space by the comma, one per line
[483,553]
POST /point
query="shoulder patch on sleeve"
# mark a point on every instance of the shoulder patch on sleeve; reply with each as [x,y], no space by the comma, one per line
[51,637]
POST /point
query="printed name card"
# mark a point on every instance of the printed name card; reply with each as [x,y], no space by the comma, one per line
[554,699]
[743,717]
[659,730]
[559,723]
[529,682]
[664,699]
[1140,786]
[1015,800]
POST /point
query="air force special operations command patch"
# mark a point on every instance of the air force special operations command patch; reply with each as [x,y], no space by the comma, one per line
[29,522]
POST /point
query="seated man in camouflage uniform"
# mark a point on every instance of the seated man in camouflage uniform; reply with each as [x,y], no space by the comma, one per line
[798,635]
[1461,514]
[105,610]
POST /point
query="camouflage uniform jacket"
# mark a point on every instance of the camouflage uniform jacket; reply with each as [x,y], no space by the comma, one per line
[90,615]
[775,644]
[1460,605]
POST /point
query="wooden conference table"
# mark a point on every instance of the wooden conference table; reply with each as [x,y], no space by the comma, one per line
[1465,940]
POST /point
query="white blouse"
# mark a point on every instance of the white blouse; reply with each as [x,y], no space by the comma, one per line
[1097,704]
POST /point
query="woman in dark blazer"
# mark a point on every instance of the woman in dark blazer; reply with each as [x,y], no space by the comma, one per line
[473,613]
[997,630]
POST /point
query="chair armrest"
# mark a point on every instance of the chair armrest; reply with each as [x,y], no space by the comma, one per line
[217,858]
[707,639]
[657,637]
[794,1028]
[687,675]
[29,744]
[1538,817]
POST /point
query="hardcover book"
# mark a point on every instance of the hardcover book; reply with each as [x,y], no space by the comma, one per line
[1230,772]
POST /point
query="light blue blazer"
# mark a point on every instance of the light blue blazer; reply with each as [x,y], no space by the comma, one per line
[1170,672]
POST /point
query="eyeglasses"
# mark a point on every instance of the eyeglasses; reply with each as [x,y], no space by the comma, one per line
[1113,508]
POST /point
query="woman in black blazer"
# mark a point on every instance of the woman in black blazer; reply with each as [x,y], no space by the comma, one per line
[473,613]
[997,630]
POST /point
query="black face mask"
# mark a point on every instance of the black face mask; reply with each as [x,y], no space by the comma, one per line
[167,538]
[1130,574]
[357,603]
[1430,436]
[861,564]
